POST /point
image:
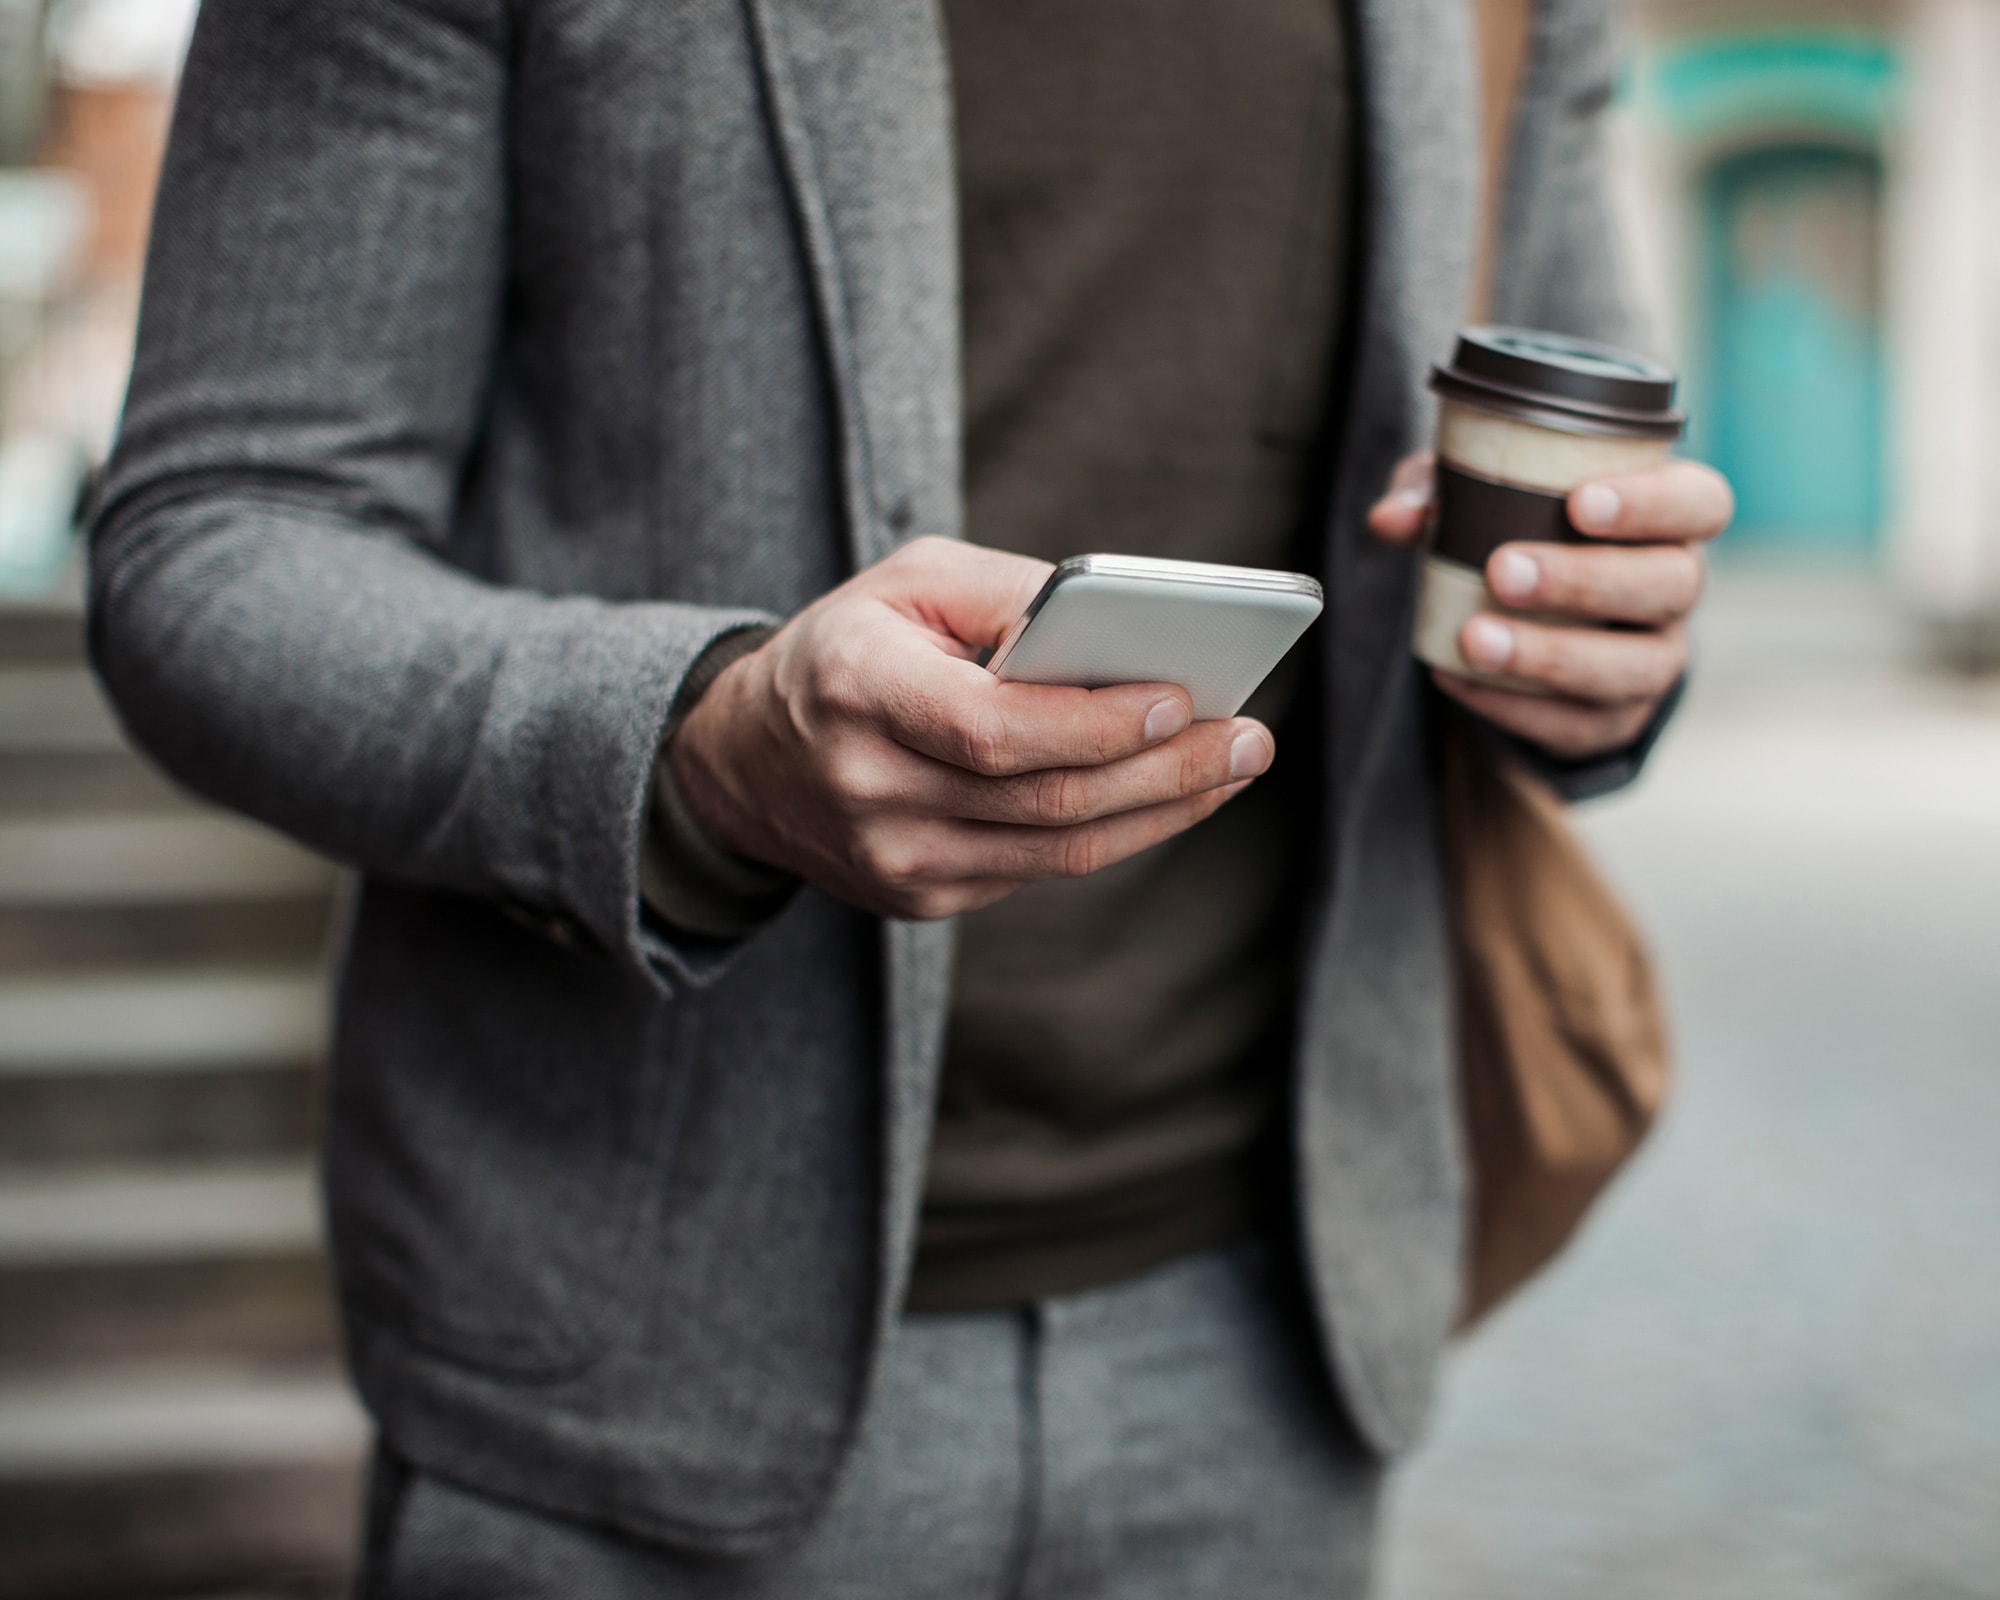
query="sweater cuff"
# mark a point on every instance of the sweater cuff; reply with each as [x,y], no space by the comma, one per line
[1591,776]
[687,880]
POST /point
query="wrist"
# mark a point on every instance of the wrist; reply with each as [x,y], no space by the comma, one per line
[702,760]
[693,874]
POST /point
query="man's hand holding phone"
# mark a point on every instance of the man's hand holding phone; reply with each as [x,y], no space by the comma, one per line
[865,749]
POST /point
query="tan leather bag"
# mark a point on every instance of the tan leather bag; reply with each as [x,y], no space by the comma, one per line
[1563,1046]
[1563,1050]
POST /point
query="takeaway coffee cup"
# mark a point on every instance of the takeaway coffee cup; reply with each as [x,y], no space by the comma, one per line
[1523,419]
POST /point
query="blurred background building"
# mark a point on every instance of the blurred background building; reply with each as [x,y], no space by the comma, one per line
[1810,192]
[1772,1368]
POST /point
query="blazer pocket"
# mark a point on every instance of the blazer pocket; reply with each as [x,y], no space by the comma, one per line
[502,1120]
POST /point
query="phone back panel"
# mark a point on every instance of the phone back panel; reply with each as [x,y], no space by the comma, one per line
[1215,641]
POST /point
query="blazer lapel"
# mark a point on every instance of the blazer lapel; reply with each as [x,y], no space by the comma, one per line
[1419,198]
[860,96]
[1375,1125]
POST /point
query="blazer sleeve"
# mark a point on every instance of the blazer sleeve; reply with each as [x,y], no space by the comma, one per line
[273,608]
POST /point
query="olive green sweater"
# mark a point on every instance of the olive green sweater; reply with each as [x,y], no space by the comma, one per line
[1153,202]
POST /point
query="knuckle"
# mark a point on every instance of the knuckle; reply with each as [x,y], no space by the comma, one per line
[1542,653]
[836,681]
[1693,577]
[1663,590]
[930,903]
[888,860]
[857,777]
[1608,585]
[1103,745]
[1664,669]
[915,555]
[1620,587]
[1057,798]
[1666,660]
[1083,852]
[1194,772]
[1572,582]
[982,742]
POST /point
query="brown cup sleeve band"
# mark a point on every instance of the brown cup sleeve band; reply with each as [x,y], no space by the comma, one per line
[1476,516]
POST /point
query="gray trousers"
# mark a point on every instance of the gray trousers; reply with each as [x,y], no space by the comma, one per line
[1169,1437]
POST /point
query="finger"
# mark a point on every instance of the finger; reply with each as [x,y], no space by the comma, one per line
[1399,516]
[959,713]
[1029,853]
[1596,664]
[1680,501]
[962,591]
[1652,584]
[1571,729]
[1207,756]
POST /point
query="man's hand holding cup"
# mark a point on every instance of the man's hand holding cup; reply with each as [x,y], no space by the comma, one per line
[1567,543]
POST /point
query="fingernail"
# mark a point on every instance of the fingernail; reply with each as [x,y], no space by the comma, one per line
[1488,643]
[1595,507]
[1166,719]
[1514,575]
[1249,754]
[1413,494]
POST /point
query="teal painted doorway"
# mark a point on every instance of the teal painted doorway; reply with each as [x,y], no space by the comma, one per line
[1791,405]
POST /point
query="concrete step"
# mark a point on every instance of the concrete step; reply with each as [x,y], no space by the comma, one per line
[73,1318]
[54,708]
[40,636]
[158,1067]
[166,1484]
[49,783]
[192,936]
[149,1116]
[160,1022]
[120,1217]
[125,860]
[143,1266]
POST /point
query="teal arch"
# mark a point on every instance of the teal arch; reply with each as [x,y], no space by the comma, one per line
[1738,87]
[1791,398]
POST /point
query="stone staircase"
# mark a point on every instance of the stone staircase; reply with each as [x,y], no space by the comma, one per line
[172,1419]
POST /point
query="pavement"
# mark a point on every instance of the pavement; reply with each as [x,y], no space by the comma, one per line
[1770,1370]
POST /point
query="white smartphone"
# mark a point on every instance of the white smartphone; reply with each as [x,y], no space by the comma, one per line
[1215,631]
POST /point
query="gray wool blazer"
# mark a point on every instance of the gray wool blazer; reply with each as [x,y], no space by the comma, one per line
[497,357]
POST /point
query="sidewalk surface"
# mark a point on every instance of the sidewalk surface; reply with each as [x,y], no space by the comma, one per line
[1771,1369]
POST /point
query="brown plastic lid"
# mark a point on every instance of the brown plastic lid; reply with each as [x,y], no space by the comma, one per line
[1560,382]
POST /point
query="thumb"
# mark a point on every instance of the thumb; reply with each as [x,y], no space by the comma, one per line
[1399,516]
[966,593]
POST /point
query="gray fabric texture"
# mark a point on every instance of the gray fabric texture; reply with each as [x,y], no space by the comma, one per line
[497,357]
[1172,1438]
